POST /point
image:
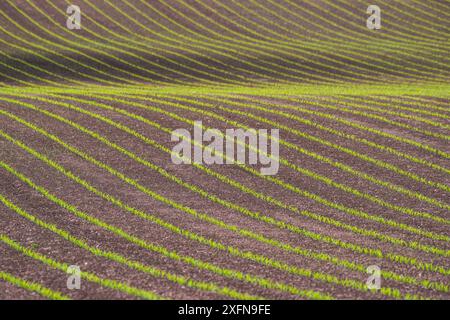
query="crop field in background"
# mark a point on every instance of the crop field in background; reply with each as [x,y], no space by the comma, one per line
[86,177]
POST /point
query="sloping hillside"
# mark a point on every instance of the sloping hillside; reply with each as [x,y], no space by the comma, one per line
[87,179]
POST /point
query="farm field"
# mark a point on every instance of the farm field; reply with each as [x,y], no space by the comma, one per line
[87,180]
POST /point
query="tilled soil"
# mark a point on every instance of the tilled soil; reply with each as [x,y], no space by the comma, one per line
[87,180]
[186,202]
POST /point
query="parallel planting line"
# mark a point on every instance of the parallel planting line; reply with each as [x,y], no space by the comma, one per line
[385,120]
[362,45]
[297,168]
[274,107]
[173,255]
[183,46]
[288,42]
[14,67]
[157,63]
[367,158]
[330,279]
[420,102]
[88,276]
[279,35]
[32,286]
[300,47]
[223,47]
[412,244]
[122,43]
[357,31]
[281,48]
[209,40]
[441,8]
[375,101]
[374,68]
[113,256]
[287,39]
[338,242]
[198,190]
[73,81]
[359,126]
[163,172]
[384,111]
[88,56]
[93,48]
[35,53]
[41,40]
[396,14]
[433,44]
[248,255]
